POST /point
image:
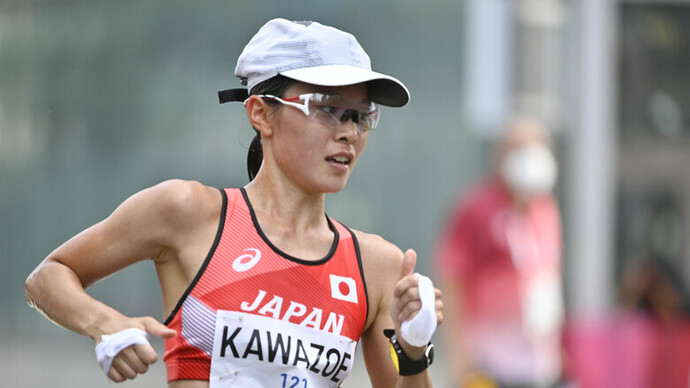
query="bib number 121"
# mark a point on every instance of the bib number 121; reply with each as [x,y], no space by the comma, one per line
[293,381]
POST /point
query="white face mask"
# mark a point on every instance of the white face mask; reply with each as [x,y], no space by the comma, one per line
[529,170]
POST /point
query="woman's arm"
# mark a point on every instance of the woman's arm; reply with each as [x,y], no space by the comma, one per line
[148,225]
[393,300]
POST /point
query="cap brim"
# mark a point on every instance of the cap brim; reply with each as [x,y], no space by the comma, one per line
[383,89]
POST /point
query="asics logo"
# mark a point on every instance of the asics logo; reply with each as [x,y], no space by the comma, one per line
[247,261]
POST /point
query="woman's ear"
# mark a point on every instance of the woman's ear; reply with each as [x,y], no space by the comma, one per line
[259,114]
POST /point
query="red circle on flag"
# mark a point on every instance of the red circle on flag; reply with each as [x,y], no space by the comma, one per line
[344,288]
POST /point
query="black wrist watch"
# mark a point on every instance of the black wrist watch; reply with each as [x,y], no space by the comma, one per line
[403,364]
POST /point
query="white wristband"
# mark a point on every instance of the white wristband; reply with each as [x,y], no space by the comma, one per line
[418,330]
[113,344]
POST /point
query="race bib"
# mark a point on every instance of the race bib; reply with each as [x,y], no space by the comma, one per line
[255,351]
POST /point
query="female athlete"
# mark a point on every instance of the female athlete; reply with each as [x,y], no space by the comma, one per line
[259,286]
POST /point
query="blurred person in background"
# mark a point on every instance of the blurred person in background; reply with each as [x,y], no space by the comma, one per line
[261,288]
[656,308]
[648,339]
[653,288]
[499,265]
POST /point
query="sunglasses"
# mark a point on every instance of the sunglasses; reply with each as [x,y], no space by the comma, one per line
[332,109]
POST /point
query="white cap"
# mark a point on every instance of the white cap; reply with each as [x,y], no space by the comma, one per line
[316,54]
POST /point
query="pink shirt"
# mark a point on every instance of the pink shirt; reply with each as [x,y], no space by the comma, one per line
[500,256]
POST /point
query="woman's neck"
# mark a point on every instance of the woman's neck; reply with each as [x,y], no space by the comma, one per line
[293,221]
[287,205]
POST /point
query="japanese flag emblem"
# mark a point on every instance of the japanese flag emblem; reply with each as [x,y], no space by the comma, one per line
[343,288]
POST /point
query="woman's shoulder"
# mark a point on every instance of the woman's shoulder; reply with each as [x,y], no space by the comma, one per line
[381,263]
[377,252]
[184,193]
[180,200]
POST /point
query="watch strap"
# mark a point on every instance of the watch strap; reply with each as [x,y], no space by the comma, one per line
[403,364]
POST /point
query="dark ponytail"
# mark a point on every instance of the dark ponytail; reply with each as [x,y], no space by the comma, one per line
[255,156]
[275,86]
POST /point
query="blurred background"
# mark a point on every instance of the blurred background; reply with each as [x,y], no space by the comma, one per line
[100,99]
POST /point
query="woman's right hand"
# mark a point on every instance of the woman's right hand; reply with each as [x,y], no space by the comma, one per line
[135,359]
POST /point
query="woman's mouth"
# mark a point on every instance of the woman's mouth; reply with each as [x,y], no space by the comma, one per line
[341,159]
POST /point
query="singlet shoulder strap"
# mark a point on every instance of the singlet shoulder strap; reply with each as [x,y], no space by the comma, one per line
[207,260]
[347,233]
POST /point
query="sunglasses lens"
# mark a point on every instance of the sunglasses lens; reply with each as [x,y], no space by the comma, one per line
[334,110]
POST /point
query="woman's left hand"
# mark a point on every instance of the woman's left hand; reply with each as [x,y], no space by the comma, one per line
[406,302]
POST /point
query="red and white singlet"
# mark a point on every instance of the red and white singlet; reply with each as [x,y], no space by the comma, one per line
[257,317]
